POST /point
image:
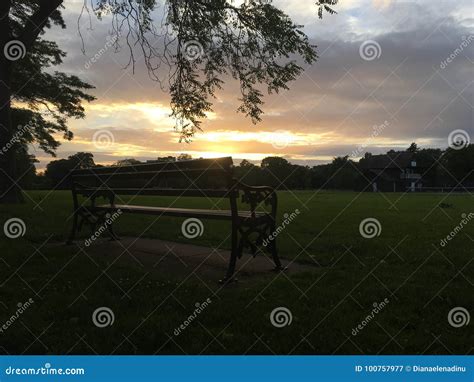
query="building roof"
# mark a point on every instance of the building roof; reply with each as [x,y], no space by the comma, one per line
[398,159]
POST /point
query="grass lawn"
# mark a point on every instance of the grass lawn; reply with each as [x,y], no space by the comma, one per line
[405,265]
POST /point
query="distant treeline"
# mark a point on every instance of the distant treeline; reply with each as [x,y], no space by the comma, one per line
[439,168]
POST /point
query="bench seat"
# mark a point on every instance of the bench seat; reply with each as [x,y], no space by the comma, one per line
[183,212]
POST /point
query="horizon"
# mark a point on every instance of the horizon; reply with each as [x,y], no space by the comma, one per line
[256,162]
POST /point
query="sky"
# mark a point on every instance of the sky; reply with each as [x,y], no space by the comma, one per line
[389,73]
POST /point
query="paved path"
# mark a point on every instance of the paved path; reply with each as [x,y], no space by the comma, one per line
[178,260]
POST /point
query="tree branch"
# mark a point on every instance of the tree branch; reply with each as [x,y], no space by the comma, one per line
[37,21]
[5,31]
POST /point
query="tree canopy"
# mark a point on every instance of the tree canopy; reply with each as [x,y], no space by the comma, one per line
[43,100]
[199,44]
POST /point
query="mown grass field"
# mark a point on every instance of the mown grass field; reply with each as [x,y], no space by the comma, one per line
[406,264]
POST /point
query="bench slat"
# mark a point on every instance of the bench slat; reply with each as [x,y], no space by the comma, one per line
[211,193]
[92,173]
[182,212]
[223,164]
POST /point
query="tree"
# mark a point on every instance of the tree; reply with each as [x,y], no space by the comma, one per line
[203,42]
[248,173]
[413,148]
[457,166]
[246,164]
[184,156]
[427,164]
[169,158]
[58,170]
[26,167]
[35,102]
[127,162]
[276,171]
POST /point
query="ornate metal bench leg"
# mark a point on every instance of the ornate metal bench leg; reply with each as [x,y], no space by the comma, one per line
[233,258]
[275,257]
[113,235]
[70,240]
[274,252]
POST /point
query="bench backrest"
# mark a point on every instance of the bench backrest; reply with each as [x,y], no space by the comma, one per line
[198,177]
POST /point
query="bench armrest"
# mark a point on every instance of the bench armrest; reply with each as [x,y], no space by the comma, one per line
[255,195]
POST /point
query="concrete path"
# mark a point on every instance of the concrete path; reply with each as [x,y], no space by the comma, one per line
[178,261]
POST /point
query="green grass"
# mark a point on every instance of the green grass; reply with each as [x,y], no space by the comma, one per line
[406,264]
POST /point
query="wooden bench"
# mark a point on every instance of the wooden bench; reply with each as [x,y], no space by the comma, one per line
[207,178]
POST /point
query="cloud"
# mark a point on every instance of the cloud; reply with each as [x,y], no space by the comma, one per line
[330,109]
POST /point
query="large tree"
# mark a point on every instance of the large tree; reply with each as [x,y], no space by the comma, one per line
[200,43]
[35,101]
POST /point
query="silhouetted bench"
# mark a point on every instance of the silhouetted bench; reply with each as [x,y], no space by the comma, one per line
[207,178]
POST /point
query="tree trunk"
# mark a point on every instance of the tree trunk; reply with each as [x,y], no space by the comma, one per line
[9,189]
